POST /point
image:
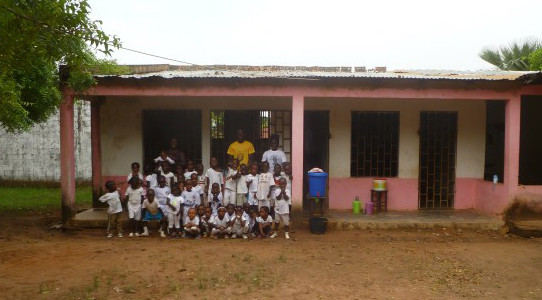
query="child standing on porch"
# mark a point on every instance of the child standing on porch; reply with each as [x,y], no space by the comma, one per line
[212,176]
[265,180]
[252,181]
[282,212]
[201,182]
[134,196]
[230,192]
[112,197]
[242,186]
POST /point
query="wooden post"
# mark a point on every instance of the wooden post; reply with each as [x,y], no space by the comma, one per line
[95,141]
[67,156]
[298,113]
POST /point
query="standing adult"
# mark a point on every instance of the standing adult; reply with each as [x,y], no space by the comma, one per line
[241,149]
[274,155]
[174,153]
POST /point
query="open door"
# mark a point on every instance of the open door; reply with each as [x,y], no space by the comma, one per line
[315,146]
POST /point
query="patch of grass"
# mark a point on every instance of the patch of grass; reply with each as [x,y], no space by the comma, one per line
[14,199]
[282,258]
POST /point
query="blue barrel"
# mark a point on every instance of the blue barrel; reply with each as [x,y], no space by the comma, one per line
[317,184]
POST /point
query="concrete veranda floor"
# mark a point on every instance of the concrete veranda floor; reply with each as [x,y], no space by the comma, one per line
[346,220]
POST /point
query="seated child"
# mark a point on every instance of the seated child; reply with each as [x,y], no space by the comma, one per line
[151,212]
[189,170]
[238,224]
[205,214]
[265,222]
[191,225]
[230,211]
[174,203]
[230,187]
[114,212]
[242,185]
[134,196]
[135,172]
[215,200]
[161,192]
[282,212]
[252,181]
[221,226]
[265,180]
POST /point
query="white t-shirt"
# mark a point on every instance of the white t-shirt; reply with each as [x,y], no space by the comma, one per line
[197,189]
[231,184]
[168,177]
[176,201]
[220,223]
[215,205]
[274,157]
[242,187]
[191,199]
[194,221]
[187,174]
[268,220]
[265,180]
[153,182]
[130,177]
[239,220]
[134,196]
[151,207]
[113,200]
[161,197]
[214,177]
[281,206]
[169,160]
[252,183]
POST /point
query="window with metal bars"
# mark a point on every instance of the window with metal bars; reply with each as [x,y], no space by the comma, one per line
[375,144]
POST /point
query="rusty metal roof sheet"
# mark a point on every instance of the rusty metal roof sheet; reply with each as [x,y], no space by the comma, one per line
[314,73]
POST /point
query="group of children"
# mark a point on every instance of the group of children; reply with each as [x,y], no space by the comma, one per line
[240,202]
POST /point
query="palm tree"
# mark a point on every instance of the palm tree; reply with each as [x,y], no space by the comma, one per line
[512,57]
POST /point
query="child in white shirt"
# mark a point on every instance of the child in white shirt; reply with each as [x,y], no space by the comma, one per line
[166,172]
[215,200]
[174,203]
[252,181]
[212,176]
[265,223]
[135,172]
[151,211]
[221,225]
[189,170]
[162,191]
[151,177]
[112,197]
[191,225]
[263,192]
[282,212]
[230,187]
[164,158]
[196,187]
[134,195]
[242,186]
[238,224]
[191,198]
[201,183]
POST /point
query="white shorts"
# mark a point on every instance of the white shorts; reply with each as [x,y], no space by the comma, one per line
[238,230]
[134,212]
[229,197]
[252,199]
[218,231]
[174,220]
[284,218]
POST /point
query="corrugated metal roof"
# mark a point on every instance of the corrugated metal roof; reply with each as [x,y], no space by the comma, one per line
[290,72]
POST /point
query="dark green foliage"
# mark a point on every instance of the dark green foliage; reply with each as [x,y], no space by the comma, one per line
[36,36]
[536,60]
[512,57]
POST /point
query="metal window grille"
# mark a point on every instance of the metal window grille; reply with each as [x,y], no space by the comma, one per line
[375,139]
[438,143]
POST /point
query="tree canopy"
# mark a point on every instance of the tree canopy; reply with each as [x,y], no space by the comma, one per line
[36,36]
[512,57]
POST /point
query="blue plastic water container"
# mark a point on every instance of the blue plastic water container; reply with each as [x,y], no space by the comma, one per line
[317,184]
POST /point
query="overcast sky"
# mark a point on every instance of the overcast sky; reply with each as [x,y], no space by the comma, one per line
[398,34]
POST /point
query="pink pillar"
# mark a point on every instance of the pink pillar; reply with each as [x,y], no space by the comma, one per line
[511,144]
[95,141]
[67,157]
[298,111]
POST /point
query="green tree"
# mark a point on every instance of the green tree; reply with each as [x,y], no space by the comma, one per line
[535,60]
[36,36]
[512,57]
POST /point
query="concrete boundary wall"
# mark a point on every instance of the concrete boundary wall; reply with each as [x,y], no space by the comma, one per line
[34,156]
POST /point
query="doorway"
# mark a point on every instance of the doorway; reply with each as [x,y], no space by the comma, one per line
[438,144]
[315,147]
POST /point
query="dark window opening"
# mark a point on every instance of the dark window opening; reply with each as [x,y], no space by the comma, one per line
[160,126]
[375,144]
[258,126]
[494,158]
[530,151]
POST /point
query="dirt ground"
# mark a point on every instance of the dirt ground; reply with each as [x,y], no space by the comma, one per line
[38,263]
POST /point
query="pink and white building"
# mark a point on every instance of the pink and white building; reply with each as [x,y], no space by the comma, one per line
[437,137]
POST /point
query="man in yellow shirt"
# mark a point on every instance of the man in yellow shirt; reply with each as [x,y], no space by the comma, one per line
[241,149]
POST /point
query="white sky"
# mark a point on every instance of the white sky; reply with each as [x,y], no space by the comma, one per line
[404,34]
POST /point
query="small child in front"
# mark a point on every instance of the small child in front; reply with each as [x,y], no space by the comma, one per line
[265,222]
[191,225]
[191,198]
[221,225]
[238,224]
[134,195]
[161,192]
[151,212]
[112,197]
[282,211]
[174,202]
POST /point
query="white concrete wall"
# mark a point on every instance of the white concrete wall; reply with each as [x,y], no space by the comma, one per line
[122,137]
[35,155]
